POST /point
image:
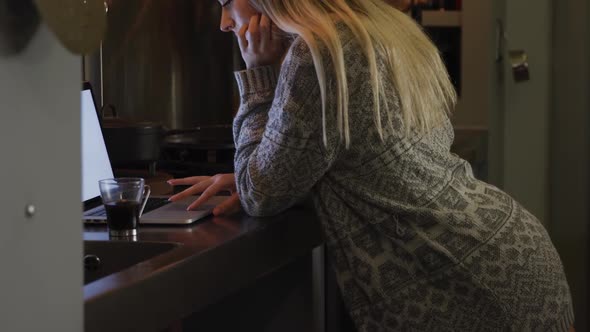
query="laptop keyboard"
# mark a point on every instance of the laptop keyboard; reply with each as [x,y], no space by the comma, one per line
[100,212]
[154,203]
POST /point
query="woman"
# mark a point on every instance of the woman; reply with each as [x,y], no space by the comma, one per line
[354,112]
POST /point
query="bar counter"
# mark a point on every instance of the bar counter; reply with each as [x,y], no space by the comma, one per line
[215,257]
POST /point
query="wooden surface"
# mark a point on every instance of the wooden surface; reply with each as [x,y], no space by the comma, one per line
[216,257]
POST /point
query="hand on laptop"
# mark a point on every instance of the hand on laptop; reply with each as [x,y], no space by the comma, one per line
[209,186]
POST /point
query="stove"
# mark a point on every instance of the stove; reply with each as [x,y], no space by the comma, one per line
[200,151]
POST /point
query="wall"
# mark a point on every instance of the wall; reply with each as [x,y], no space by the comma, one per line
[167,62]
[570,147]
[41,278]
[497,99]
[527,106]
[476,37]
[539,130]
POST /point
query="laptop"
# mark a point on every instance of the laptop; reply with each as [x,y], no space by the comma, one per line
[96,166]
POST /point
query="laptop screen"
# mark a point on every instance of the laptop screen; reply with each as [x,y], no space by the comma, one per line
[95,159]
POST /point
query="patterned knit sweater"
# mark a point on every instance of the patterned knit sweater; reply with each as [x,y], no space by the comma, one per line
[418,243]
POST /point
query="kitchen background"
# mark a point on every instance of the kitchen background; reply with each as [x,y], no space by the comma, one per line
[165,62]
[168,63]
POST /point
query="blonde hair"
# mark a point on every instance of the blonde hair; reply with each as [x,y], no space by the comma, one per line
[414,64]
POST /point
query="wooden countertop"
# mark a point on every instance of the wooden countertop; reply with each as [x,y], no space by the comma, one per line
[216,257]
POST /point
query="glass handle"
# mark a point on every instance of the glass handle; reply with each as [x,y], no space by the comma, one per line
[146,194]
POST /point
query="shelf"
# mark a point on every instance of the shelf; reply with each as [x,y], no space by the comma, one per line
[441,18]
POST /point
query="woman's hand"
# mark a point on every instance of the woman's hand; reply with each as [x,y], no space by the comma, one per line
[209,186]
[259,42]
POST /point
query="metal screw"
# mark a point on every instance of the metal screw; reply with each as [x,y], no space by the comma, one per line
[30,210]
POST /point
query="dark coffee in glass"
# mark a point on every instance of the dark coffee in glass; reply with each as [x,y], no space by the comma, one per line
[123,199]
[122,215]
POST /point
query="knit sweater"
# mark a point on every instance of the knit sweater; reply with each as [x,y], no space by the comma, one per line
[418,243]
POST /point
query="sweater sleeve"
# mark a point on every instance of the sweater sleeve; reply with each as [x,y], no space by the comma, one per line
[278,134]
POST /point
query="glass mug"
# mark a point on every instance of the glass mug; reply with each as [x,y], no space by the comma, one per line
[124,200]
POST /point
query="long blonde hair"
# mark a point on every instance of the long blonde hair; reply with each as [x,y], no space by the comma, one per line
[414,63]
